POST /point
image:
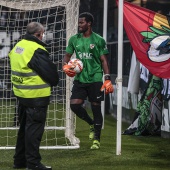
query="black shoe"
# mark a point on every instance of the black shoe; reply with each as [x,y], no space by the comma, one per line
[40,167]
[19,166]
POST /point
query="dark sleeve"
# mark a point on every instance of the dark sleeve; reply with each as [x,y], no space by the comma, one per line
[44,67]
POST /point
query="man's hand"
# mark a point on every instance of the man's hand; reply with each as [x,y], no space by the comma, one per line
[68,69]
[107,86]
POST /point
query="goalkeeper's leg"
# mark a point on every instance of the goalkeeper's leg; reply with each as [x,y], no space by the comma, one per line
[98,121]
[81,113]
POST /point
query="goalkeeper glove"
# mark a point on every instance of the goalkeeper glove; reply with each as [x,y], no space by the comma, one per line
[68,69]
[107,86]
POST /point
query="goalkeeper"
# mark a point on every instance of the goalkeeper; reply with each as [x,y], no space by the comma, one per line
[33,75]
[91,49]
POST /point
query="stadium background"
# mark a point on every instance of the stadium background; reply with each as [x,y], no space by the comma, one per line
[96,8]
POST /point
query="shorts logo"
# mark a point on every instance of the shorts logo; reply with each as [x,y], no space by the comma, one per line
[98,97]
[92,46]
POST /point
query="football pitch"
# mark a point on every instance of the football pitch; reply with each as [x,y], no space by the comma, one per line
[138,153]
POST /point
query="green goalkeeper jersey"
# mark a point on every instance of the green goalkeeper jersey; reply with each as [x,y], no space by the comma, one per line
[88,50]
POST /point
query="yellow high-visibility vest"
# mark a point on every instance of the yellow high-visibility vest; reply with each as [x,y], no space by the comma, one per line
[26,82]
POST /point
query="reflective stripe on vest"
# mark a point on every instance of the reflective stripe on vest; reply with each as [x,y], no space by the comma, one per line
[31,87]
[24,74]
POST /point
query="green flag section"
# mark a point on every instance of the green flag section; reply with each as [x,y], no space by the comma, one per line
[148,116]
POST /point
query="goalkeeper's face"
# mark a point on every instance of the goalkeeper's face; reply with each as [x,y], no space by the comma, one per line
[83,25]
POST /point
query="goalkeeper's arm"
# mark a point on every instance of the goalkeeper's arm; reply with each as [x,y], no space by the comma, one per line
[107,85]
[66,58]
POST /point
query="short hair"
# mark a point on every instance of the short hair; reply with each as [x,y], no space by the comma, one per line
[88,17]
[34,27]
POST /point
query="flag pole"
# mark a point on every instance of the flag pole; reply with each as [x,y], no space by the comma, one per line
[105,19]
[105,12]
[119,78]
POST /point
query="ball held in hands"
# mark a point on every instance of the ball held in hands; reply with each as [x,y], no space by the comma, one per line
[69,70]
[77,64]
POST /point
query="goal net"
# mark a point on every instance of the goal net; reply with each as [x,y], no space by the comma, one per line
[60,19]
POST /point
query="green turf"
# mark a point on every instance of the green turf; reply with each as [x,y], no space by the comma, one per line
[138,153]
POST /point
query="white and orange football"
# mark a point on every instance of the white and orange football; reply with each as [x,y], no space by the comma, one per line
[77,63]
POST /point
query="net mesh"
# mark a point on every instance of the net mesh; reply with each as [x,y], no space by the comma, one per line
[60,21]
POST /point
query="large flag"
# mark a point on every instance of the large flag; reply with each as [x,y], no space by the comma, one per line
[149,35]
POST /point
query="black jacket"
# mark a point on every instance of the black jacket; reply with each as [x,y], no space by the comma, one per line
[45,68]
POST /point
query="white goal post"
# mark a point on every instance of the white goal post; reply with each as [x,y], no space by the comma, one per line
[60,19]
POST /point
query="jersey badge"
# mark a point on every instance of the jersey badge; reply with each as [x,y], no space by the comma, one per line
[92,46]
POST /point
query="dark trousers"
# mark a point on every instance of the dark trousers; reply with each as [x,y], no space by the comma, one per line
[32,122]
